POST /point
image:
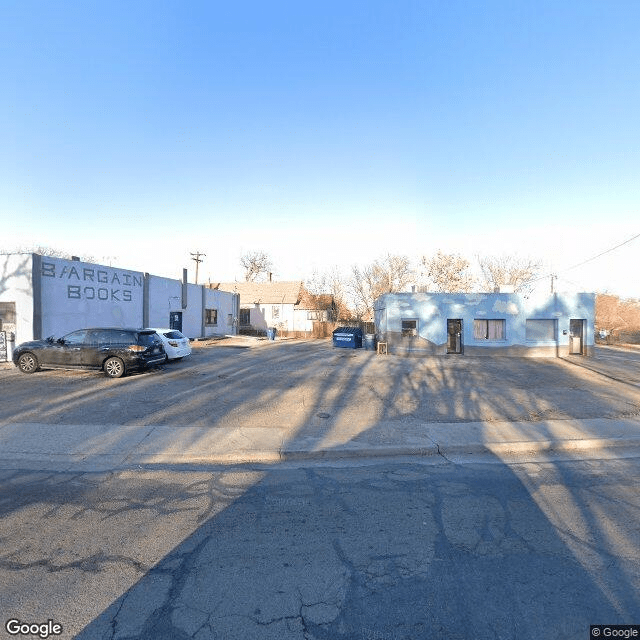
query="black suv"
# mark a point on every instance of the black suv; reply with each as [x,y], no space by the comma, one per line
[116,351]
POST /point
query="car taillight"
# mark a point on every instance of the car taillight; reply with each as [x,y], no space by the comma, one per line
[173,343]
[135,347]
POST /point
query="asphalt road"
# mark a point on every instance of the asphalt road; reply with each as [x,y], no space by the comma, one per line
[372,551]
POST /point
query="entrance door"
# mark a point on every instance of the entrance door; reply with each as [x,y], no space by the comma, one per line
[576,336]
[175,320]
[454,335]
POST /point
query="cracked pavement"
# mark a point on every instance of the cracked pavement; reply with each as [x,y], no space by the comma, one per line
[378,551]
[318,550]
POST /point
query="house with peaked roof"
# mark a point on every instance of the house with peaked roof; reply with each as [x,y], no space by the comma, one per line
[287,306]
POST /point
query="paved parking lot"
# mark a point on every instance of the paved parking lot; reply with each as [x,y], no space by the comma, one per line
[307,385]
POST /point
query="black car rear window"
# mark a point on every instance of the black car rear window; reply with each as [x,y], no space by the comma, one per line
[147,339]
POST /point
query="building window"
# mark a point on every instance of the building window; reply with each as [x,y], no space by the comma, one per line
[211,316]
[409,328]
[245,316]
[540,330]
[275,312]
[489,329]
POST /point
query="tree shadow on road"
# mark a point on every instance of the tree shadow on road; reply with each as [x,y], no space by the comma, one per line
[402,552]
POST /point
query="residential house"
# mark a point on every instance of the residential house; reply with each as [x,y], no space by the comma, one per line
[287,306]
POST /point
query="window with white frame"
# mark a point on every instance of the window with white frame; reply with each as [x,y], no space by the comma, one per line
[540,330]
[275,312]
[245,316]
[488,329]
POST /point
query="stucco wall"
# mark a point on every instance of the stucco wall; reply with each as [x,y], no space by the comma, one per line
[165,296]
[76,295]
[262,316]
[226,304]
[431,312]
[16,286]
[54,296]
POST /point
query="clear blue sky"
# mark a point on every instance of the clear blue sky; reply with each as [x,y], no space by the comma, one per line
[324,133]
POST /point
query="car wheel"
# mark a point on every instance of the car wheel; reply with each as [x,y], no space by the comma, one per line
[28,363]
[114,367]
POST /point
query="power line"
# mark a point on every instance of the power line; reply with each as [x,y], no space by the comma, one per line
[601,254]
[555,274]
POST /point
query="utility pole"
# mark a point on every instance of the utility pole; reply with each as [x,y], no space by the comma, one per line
[196,258]
[552,279]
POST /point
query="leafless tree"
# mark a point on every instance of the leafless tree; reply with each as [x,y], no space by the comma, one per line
[509,270]
[256,264]
[447,273]
[386,275]
[616,315]
[49,252]
[331,282]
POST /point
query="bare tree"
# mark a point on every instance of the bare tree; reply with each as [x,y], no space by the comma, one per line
[616,315]
[331,282]
[49,252]
[447,273]
[386,275]
[255,264]
[608,313]
[509,270]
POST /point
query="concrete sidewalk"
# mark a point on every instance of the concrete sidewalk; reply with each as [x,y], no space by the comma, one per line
[357,406]
[115,447]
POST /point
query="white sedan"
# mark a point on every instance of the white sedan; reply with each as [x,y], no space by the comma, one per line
[175,343]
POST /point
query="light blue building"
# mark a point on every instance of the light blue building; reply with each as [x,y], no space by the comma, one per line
[486,323]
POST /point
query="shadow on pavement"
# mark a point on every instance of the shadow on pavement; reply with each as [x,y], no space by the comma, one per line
[406,552]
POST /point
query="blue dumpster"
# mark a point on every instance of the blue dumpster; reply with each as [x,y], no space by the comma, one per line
[271,333]
[347,337]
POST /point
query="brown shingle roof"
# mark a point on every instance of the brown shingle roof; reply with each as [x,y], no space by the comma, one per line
[263,292]
[313,302]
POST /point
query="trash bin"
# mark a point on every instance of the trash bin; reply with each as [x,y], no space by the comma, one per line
[369,341]
[347,338]
[271,333]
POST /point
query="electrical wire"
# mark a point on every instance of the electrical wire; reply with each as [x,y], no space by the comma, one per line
[585,261]
[601,254]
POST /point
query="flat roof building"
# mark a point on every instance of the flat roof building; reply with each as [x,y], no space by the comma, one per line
[42,296]
[486,323]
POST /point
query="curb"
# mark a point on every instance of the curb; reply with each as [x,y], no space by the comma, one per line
[496,451]
[363,452]
[610,376]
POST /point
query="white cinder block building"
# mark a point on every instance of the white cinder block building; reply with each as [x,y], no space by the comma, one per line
[42,296]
